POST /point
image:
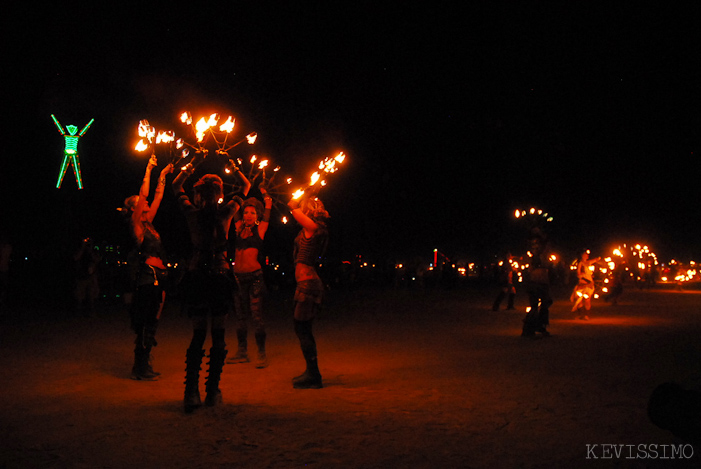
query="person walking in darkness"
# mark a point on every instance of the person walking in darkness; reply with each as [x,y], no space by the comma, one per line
[539,277]
[208,282]
[506,285]
[309,246]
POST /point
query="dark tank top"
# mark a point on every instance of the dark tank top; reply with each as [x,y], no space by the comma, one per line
[151,246]
[252,241]
[309,251]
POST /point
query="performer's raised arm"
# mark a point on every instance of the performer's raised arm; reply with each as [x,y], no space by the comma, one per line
[142,200]
[244,180]
[179,180]
[158,197]
[267,206]
[308,225]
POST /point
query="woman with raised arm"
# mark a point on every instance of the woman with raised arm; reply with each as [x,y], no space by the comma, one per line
[250,232]
[151,273]
[309,246]
[207,284]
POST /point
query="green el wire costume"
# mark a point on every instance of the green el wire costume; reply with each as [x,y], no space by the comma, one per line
[70,152]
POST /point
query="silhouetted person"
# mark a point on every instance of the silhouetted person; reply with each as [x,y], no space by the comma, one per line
[207,285]
[506,286]
[673,408]
[615,286]
[87,288]
[538,279]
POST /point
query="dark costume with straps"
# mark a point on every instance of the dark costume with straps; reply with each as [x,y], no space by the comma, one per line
[308,251]
[148,296]
[308,296]
[206,290]
[207,284]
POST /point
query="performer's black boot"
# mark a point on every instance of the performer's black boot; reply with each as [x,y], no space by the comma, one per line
[217,357]
[311,378]
[497,302]
[140,371]
[193,362]
[242,352]
[262,360]
[510,304]
[149,343]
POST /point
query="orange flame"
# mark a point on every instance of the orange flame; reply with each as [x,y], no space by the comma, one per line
[213,119]
[314,178]
[201,127]
[165,137]
[228,126]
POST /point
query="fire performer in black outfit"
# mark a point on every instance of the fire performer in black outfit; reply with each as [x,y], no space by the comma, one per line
[539,277]
[208,282]
[310,245]
[151,274]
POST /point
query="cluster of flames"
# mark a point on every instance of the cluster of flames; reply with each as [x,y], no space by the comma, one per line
[533,213]
[326,166]
[207,127]
[683,273]
[635,261]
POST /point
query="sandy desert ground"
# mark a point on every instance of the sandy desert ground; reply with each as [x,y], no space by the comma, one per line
[413,379]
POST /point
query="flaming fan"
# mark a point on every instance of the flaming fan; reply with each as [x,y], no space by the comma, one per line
[259,173]
[208,127]
[536,220]
[317,180]
[149,138]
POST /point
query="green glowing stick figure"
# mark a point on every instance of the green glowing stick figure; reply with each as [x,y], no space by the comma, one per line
[70,152]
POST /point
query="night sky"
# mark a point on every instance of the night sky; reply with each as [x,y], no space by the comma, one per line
[452,115]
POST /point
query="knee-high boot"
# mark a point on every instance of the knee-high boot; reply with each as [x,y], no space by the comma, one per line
[141,370]
[217,357]
[242,352]
[262,360]
[510,304]
[311,378]
[498,300]
[193,362]
[149,343]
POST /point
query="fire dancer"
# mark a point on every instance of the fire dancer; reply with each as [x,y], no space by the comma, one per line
[151,275]
[310,245]
[250,232]
[538,279]
[584,289]
[208,281]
